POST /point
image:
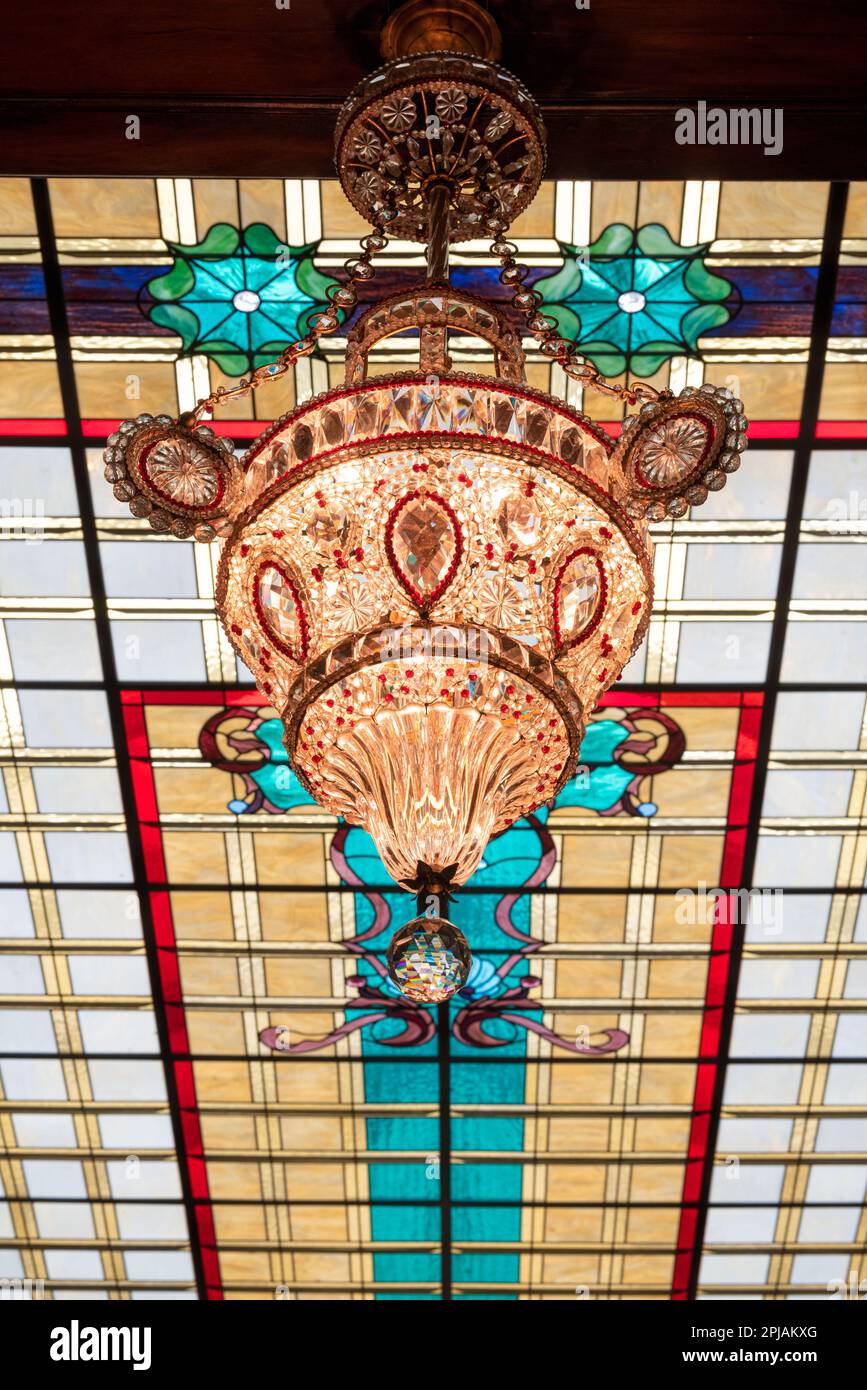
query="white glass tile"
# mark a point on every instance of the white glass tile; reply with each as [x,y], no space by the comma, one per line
[826,1225]
[26,1030]
[757,1135]
[109,975]
[159,1264]
[65,718]
[65,1220]
[53,649]
[95,856]
[778,979]
[846,1084]
[734,1269]
[850,1036]
[28,1078]
[807,792]
[10,864]
[158,1180]
[153,1221]
[819,1269]
[77,790]
[824,653]
[22,975]
[768,1035]
[158,650]
[44,1131]
[109,912]
[74,1264]
[836,485]
[746,1182]
[129,1031]
[54,1177]
[149,569]
[740,1225]
[856,986]
[836,1182]
[830,571]
[16,919]
[818,719]
[797,917]
[732,652]
[728,571]
[760,492]
[841,1136]
[134,1132]
[751,1085]
[44,570]
[797,861]
[37,482]
[111,1080]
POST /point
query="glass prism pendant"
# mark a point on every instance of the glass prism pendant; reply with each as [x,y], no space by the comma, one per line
[429,960]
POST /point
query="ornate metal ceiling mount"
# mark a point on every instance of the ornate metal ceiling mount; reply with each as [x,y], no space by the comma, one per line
[441,119]
[454,26]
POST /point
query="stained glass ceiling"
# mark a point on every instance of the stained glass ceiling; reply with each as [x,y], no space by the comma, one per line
[692,905]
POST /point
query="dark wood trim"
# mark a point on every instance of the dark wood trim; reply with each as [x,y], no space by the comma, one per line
[66,137]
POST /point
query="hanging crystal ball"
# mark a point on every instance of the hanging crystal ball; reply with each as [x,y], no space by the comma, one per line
[429,960]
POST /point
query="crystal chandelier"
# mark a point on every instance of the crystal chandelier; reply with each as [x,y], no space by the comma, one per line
[434,575]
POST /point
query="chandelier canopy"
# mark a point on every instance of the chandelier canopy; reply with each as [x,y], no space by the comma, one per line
[434,575]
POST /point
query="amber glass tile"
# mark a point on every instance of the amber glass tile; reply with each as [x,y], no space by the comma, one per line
[772,209]
[664,1082]
[591,917]
[672,1035]
[287,858]
[16,207]
[29,389]
[573,1223]
[293,916]
[195,856]
[690,859]
[202,916]
[104,207]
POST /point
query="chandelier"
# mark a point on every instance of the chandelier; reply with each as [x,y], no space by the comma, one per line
[434,575]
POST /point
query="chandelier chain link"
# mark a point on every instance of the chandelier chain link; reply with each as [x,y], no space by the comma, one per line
[544,328]
[342,297]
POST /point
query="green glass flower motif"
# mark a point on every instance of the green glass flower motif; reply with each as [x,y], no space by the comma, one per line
[238,297]
[633,300]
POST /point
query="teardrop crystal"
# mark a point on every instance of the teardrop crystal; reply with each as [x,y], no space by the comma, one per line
[281,611]
[424,546]
[578,591]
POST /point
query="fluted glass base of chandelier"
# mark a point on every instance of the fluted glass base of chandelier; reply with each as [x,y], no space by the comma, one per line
[435,758]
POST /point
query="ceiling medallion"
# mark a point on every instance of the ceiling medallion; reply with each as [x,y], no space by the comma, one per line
[433,575]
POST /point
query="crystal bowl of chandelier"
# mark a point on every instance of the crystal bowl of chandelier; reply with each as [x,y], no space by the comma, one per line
[433,582]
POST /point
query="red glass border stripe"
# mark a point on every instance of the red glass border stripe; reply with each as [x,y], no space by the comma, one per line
[251,429]
[718,979]
[170,981]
